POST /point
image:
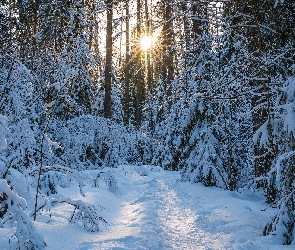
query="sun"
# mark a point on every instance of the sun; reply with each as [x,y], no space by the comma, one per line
[146,42]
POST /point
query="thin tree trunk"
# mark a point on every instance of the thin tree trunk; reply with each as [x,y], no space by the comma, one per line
[168,71]
[140,88]
[108,67]
[148,52]
[199,14]
[127,67]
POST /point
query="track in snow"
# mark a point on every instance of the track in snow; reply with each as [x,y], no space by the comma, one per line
[156,212]
[153,216]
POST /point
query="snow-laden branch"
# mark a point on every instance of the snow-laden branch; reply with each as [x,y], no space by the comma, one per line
[278,165]
[70,171]
[14,212]
[3,128]
[84,215]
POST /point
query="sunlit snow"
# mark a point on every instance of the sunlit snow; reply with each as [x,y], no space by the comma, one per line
[153,209]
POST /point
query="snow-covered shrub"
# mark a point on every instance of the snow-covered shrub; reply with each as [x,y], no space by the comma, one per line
[111,181]
[22,145]
[12,212]
[142,170]
[84,215]
[50,180]
[25,111]
[12,209]
[54,176]
[87,218]
[88,142]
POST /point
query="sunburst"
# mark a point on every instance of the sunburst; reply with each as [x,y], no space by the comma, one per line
[146,42]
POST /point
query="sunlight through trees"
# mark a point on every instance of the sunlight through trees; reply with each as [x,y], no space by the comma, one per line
[201,87]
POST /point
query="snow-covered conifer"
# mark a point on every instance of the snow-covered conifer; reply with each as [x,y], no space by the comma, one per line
[281,132]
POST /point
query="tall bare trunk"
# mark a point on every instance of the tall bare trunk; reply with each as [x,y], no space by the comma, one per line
[168,71]
[108,67]
[140,88]
[127,67]
[148,32]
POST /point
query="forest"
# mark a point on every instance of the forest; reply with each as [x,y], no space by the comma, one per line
[206,88]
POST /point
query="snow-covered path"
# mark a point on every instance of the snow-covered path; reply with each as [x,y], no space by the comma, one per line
[176,221]
[154,210]
[152,216]
[157,211]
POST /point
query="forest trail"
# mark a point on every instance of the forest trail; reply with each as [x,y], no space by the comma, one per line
[153,216]
[154,210]
[159,218]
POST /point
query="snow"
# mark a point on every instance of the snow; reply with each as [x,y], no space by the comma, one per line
[262,135]
[25,236]
[3,127]
[153,209]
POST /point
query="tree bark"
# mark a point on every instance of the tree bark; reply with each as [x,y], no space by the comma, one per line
[108,67]
[148,32]
[127,67]
[168,42]
[139,80]
[263,158]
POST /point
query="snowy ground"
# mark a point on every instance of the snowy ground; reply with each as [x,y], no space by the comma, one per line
[154,210]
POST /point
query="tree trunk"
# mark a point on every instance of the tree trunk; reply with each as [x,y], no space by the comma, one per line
[148,32]
[139,80]
[108,67]
[199,18]
[263,158]
[168,42]
[127,67]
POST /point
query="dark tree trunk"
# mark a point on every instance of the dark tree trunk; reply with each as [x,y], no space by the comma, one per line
[168,42]
[263,158]
[108,67]
[199,18]
[127,67]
